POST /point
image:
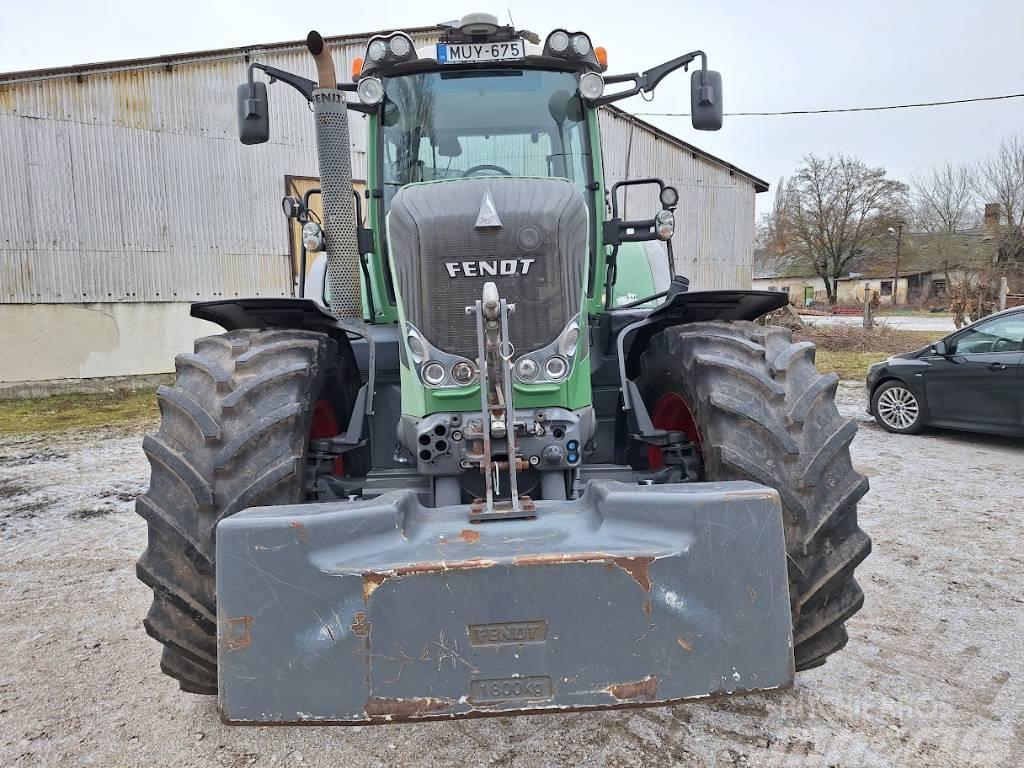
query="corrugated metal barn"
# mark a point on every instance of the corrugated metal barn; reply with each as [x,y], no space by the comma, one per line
[126,195]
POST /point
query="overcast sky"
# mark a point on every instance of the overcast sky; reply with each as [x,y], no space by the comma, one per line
[773,56]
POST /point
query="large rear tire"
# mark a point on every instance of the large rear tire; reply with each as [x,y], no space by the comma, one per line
[233,434]
[763,412]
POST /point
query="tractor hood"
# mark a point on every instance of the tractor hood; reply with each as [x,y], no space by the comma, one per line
[526,235]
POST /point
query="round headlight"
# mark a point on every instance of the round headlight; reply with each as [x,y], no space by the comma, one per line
[581,44]
[400,47]
[416,347]
[370,91]
[591,85]
[556,367]
[664,225]
[568,342]
[463,373]
[558,42]
[669,197]
[527,369]
[377,50]
[433,373]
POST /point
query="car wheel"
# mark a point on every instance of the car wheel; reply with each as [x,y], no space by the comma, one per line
[897,409]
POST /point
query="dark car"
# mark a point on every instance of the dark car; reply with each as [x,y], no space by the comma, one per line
[972,379]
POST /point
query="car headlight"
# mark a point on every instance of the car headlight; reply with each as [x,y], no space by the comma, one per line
[567,344]
[591,85]
[400,46]
[581,45]
[463,373]
[558,42]
[555,368]
[370,90]
[377,50]
[527,369]
[433,373]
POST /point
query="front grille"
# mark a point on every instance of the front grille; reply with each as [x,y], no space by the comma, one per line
[543,233]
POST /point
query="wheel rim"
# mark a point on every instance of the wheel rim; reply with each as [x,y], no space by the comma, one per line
[898,408]
[324,424]
[674,414]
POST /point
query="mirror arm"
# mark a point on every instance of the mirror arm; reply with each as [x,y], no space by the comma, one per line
[306,86]
[648,80]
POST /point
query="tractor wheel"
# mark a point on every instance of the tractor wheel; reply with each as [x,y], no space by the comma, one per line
[759,410]
[234,433]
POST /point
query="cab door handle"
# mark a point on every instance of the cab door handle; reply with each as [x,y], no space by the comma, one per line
[996,367]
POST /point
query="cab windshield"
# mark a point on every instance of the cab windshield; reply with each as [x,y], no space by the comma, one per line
[451,125]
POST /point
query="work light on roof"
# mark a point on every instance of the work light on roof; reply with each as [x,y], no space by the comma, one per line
[376,51]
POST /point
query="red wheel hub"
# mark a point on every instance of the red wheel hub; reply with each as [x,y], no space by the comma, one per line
[674,414]
[325,425]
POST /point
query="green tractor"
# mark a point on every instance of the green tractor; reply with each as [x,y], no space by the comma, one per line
[501,459]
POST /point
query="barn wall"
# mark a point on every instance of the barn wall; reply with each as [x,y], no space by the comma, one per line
[714,238]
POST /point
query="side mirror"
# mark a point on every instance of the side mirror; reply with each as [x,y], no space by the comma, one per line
[253,113]
[939,348]
[706,100]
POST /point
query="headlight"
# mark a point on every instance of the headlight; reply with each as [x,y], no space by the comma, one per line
[567,344]
[400,46]
[463,373]
[312,236]
[433,373]
[370,90]
[527,369]
[556,367]
[669,197]
[416,347]
[581,45]
[377,50]
[559,41]
[664,225]
[591,85]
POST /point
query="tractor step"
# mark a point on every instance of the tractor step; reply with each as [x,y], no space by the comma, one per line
[384,610]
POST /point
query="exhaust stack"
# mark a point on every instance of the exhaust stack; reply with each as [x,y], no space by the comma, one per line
[335,159]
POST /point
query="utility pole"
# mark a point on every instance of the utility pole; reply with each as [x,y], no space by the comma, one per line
[897,232]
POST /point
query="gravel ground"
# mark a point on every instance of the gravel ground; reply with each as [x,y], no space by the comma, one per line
[931,677]
[940,323]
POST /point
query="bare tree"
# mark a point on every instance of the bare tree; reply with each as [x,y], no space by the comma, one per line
[772,233]
[944,199]
[1000,179]
[834,207]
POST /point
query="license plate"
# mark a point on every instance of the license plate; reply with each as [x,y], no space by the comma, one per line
[464,53]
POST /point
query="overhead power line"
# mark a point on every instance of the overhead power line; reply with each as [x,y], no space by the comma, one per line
[845,109]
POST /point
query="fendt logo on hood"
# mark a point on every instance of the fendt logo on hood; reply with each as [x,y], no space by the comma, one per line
[488,268]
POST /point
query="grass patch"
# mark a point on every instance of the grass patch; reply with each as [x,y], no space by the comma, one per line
[60,413]
[847,350]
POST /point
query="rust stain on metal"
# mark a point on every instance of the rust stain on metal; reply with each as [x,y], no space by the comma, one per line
[401,709]
[647,607]
[360,626]
[239,634]
[641,689]
[752,592]
[443,565]
[371,581]
[300,530]
[638,568]
[684,644]
[470,537]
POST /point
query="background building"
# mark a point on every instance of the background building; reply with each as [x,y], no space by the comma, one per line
[126,195]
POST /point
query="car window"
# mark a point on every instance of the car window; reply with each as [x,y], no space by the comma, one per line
[1004,334]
